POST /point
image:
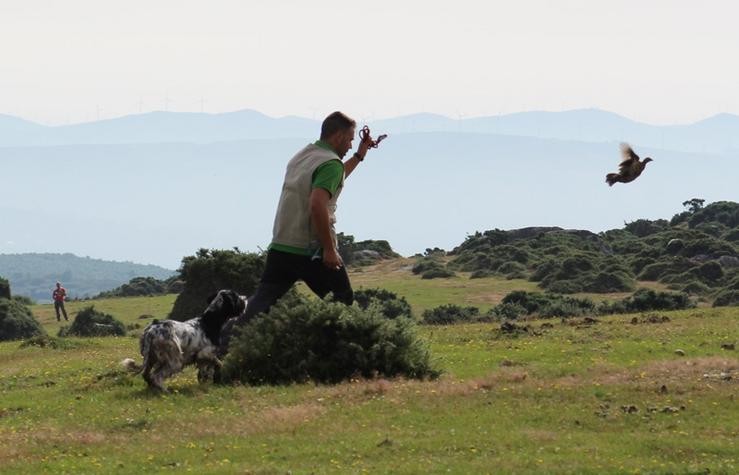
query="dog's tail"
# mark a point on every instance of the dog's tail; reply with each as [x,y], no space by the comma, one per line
[131,366]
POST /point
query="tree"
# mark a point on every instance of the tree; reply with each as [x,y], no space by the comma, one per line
[211,270]
[694,205]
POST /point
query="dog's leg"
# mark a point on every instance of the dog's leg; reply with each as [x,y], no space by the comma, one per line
[208,364]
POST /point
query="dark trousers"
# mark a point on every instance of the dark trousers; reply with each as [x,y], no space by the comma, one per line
[282,270]
[59,305]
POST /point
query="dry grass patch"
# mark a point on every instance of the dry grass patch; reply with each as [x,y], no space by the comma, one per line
[251,421]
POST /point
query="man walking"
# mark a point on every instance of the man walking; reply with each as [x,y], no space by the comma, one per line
[59,295]
[304,245]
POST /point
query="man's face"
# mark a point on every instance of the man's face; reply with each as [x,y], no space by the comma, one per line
[345,144]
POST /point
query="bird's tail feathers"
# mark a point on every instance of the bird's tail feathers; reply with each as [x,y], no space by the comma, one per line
[611,178]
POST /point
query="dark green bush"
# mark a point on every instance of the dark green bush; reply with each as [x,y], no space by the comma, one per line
[732,236]
[507,311]
[16,321]
[644,300]
[511,267]
[390,304]
[24,300]
[90,322]
[210,271]
[425,264]
[4,289]
[450,313]
[325,342]
[645,227]
[437,273]
[563,286]
[695,287]
[548,305]
[669,266]
[605,282]
[727,298]
[145,286]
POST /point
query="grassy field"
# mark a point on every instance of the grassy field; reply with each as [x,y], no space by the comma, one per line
[609,397]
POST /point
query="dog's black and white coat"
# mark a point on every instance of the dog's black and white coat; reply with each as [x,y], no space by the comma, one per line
[168,346]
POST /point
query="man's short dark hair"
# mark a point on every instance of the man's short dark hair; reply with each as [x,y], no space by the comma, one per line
[336,122]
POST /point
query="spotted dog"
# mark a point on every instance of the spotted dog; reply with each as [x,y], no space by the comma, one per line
[168,346]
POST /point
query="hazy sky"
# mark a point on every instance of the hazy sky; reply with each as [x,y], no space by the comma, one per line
[661,61]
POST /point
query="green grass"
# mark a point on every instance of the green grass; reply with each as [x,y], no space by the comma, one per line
[548,402]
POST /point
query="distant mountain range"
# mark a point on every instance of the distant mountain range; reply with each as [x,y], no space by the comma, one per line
[717,134]
[34,275]
[166,184]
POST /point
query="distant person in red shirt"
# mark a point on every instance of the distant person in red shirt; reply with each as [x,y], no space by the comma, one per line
[59,295]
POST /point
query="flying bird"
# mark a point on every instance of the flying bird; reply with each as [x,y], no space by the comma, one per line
[630,167]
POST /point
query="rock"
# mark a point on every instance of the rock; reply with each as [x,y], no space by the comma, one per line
[669,410]
[728,346]
[680,352]
[663,389]
[366,254]
[630,409]
[728,261]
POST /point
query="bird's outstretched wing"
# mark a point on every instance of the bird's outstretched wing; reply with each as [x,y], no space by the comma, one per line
[627,154]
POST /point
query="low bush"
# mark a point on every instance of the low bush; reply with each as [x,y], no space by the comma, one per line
[17,322]
[24,300]
[390,304]
[507,311]
[727,298]
[90,322]
[450,313]
[4,288]
[209,271]
[437,273]
[325,342]
[644,300]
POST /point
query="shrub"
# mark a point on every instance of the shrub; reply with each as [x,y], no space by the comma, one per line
[426,264]
[90,322]
[16,321]
[530,301]
[24,300]
[605,282]
[671,266]
[4,289]
[325,342]
[549,305]
[727,298]
[437,273]
[512,267]
[450,313]
[507,311]
[211,270]
[390,305]
[644,300]
[144,286]
[696,288]
[566,307]
[563,286]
